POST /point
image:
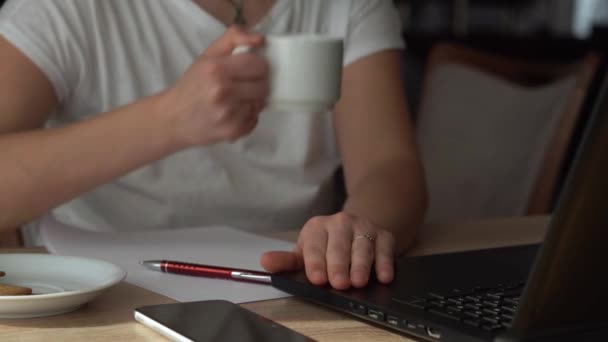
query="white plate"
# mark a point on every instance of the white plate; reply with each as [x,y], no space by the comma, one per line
[59,284]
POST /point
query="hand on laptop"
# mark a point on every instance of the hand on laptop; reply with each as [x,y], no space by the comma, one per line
[341,249]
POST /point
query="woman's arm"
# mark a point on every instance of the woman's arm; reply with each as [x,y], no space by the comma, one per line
[42,168]
[383,173]
[384,180]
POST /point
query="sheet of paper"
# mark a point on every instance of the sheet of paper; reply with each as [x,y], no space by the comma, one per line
[219,246]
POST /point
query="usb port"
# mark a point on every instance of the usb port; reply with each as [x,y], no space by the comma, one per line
[358,308]
[375,314]
[392,320]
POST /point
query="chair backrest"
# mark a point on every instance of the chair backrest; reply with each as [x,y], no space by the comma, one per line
[494,131]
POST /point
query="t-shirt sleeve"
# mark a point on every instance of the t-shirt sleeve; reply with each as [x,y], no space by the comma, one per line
[374,25]
[39,30]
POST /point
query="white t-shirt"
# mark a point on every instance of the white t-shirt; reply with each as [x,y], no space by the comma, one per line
[101,54]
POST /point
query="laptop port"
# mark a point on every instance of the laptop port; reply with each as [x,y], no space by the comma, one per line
[375,314]
[433,332]
[358,308]
[392,320]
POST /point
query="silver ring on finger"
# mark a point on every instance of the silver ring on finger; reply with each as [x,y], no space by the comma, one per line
[368,236]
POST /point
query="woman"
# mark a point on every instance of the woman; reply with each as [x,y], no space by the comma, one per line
[150,123]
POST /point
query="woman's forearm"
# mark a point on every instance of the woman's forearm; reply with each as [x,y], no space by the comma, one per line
[41,169]
[393,196]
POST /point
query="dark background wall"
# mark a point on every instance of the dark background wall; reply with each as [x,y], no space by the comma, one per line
[513,17]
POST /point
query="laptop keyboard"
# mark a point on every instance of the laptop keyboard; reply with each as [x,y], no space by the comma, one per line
[487,308]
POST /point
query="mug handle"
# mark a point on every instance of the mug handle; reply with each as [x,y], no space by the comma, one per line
[242,49]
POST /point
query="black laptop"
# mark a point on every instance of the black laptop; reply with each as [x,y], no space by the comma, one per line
[556,291]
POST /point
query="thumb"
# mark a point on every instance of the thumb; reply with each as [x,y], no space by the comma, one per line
[231,39]
[281,261]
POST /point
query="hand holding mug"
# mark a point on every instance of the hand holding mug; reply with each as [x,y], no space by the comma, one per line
[221,95]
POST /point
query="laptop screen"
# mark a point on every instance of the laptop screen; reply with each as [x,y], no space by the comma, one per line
[567,286]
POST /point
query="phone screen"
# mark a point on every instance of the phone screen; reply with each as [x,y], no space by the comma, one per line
[213,320]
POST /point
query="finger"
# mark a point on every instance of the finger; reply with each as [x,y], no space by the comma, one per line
[241,122]
[314,246]
[247,66]
[251,91]
[281,261]
[362,260]
[338,253]
[385,257]
[251,123]
[259,106]
[232,38]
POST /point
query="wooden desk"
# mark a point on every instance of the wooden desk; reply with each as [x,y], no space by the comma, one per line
[110,316]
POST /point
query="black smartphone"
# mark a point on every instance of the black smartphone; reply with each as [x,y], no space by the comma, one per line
[213,320]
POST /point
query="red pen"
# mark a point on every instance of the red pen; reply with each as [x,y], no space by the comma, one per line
[178,267]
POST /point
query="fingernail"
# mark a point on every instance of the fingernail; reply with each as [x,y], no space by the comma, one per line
[340,278]
[357,274]
[385,276]
[319,276]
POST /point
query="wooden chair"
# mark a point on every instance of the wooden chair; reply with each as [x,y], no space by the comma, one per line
[445,143]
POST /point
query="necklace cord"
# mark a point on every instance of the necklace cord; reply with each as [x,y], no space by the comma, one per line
[239,17]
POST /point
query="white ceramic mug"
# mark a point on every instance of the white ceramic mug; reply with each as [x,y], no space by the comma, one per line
[305,71]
